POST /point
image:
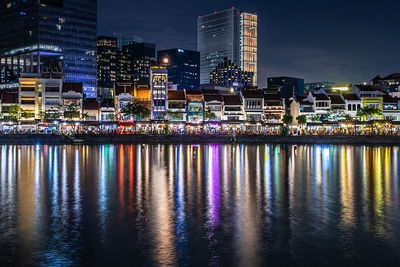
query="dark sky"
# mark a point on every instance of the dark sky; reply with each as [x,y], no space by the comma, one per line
[344,41]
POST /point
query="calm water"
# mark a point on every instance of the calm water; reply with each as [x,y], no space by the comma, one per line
[217,205]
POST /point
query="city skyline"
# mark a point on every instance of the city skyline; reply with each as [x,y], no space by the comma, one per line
[349,43]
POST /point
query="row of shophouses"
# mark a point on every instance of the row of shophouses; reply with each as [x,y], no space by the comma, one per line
[210,106]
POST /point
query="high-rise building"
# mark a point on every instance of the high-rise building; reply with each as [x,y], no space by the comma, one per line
[183,67]
[106,65]
[287,85]
[134,62]
[42,34]
[230,33]
[227,74]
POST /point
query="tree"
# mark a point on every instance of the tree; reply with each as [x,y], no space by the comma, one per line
[368,112]
[315,118]
[84,116]
[302,119]
[209,115]
[174,115]
[136,109]
[15,112]
[50,114]
[251,119]
[71,111]
[287,119]
[27,114]
[337,115]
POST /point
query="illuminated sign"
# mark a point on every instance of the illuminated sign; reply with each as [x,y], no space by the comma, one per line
[340,88]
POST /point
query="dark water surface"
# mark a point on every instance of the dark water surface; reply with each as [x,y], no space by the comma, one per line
[218,205]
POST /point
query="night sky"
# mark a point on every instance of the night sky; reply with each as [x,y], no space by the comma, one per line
[344,41]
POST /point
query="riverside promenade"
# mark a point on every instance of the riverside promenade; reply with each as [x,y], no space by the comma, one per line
[96,139]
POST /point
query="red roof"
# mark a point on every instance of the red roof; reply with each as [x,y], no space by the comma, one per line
[176,95]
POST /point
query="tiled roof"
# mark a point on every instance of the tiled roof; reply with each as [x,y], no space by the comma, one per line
[272,97]
[194,97]
[305,102]
[321,97]
[176,95]
[232,100]
[210,91]
[91,104]
[351,97]
[369,87]
[252,94]
[71,86]
[336,100]
[208,98]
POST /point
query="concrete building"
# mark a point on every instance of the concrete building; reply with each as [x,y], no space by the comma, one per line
[253,105]
[177,106]
[159,91]
[195,107]
[72,100]
[233,108]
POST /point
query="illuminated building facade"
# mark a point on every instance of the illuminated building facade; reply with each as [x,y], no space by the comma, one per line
[43,34]
[159,91]
[183,67]
[227,74]
[228,34]
[134,62]
[106,65]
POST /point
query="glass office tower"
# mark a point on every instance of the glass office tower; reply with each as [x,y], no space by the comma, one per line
[43,34]
[183,67]
[228,34]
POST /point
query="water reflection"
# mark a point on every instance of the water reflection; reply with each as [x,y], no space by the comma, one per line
[199,205]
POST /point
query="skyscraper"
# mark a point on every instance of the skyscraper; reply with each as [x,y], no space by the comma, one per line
[106,64]
[134,62]
[230,33]
[43,34]
[183,67]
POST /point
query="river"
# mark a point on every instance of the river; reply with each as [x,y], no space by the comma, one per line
[205,205]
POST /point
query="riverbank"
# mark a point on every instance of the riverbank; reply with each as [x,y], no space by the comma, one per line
[95,139]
